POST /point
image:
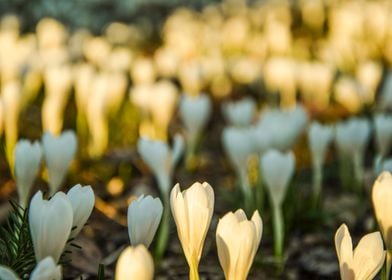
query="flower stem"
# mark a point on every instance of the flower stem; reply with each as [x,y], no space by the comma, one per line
[164,229]
[358,171]
[193,272]
[317,181]
[246,190]
[278,232]
[388,264]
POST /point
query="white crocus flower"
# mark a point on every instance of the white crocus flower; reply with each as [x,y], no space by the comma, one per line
[194,112]
[277,170]
[135,263]
[365,261]
[381,198]
[161,159]
[6,273]
[352,137]
[239,145]
[192,210]
[383,133]
[46,269]
[144,216]
[238,239]
[58,154]
[239,113]
[27,163]
[50,224]
[82,201]
[319,137]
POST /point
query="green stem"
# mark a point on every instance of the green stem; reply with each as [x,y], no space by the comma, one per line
[190,157]
[164,230]
[246,190]
[388,264]
[317,182]
[193,272]
[278,232]
[358,171]
[260,194]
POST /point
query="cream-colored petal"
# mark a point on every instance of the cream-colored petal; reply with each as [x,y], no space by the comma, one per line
[369,256]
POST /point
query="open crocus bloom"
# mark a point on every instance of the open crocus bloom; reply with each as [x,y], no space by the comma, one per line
[366,259]
[237,240]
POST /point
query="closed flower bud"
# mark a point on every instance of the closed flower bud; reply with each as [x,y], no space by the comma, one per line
[144,216]
[240,113]
[194,112]
[46,269]
[27,163]
[58,153]
[383,131]
[319,136]
[277,169]
[6,273]
[161,160]
[82,201]
[50,224]
[238,239]
[135,263]
[365,261]
[192,210]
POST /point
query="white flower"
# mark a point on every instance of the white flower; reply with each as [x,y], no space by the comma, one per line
[27,163]
[82,201]
[46,269]
[319,136]
[239,113]
[352,136]
[365,261]
[194,112]
[383,131]
[58,153]
[237,240]
[7,274]
[239,145]
[192,210]
[135,263]
[50,224]
[144,216]
[277,169]
[158,156]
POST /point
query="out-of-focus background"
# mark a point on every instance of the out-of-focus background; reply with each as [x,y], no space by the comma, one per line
[117,70]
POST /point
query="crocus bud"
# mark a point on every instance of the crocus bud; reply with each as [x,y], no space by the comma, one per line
[135,263]
[239,145]
[194,112]
[58,154]
[46,269]
[144,216]
[381,198]
[319,136]
[192,210]
[50,225]
[383,127]
[27,163]
[6,273]
[240,113]
[82,201]
[365,260]
[237,240]
[158,156]
[277,169]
